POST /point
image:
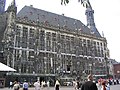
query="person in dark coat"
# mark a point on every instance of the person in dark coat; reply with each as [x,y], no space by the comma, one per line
[57,85]
[89,85]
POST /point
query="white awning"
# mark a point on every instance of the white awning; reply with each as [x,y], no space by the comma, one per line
[4,67]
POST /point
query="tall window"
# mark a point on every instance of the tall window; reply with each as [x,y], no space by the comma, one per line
[54,46]
[67,44]
[62,43]
[42,40]
[73,45]
[48,41]
[18,38]
[24,37]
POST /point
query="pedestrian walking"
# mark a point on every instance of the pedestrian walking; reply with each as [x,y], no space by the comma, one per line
[42,85]
[89,85]
[11,85]
[74,84]
[77,85]
[37,85]
[103,86]
[16,86]
[48,84]
[57,85]
[25,85]
[107,85]
[99,85]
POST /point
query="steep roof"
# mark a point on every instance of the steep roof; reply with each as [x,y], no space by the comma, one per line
[34,14]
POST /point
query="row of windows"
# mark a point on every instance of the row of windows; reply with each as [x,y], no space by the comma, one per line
[25,32]
[54,42]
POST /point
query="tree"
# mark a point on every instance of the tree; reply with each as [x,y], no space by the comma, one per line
[64,2]
[85,3]
[67,1]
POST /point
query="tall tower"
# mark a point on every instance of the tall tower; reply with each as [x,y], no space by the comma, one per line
[9,32]
[2,6]
[12,7]
[90,18]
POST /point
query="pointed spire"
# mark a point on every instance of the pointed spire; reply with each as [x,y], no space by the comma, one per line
[12,7]
[102,34]
[13,3]
[90,18]
[89,13]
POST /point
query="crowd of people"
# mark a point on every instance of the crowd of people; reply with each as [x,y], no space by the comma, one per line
[89,84]
[37,85]
[100,84]
[104,84]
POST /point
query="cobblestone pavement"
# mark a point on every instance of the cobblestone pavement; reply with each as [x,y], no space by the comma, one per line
[51,88]
[112,87]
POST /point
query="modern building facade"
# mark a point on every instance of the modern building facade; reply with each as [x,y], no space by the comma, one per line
[43,44]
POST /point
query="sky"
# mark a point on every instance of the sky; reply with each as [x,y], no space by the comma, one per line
[106,16]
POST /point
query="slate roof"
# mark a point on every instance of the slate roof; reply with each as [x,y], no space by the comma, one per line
[34,14]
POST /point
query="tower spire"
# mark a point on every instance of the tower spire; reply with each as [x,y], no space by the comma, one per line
[90,17]
[12,7]
[13,3]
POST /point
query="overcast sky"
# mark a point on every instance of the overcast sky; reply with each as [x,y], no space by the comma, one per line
[106,15]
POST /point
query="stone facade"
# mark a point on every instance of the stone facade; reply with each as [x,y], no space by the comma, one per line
[37,42]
